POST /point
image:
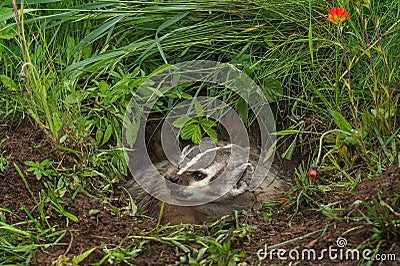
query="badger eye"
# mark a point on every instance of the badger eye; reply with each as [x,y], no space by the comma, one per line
[198,176]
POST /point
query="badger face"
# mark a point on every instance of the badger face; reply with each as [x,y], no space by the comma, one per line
[208,172]
[199,172]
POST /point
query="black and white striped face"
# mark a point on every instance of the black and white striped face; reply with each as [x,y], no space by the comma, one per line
[198,169]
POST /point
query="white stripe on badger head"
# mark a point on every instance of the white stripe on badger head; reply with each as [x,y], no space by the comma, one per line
[185,152]
[197,157]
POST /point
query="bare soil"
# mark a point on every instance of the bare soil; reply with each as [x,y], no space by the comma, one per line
[99,226]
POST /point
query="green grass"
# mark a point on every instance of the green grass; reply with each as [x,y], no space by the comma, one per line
[82,62]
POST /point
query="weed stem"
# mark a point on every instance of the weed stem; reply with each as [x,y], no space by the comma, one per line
[347,63]
[385,64]
[21,40]
[371,61]
[160,214]
[346,59]
[23,76]
[321,139]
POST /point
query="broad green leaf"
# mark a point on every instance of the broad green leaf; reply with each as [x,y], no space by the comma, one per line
[8,33]
[164,26]
[107,134]
[70,216]
[30,163]
[79,258]
[56,123]
[161,69]
[70,46]
[201,253]
[285,132]
[193,262]
[46,163]
[340,121]
[188,130]
[172,21]
[161,50]
[103,86]
[207,123]
[99,135]
[289,152]
[198,108]
[211,133]
[99,32]
[8,29]
[7,82]
[196,137]
[273,89]
[72,99]
[9,228]
[243,109]
[181,121]
[8,13]
[270,151]
[93,59]
[192,132]
[131,131]
[25,248]
[60,183]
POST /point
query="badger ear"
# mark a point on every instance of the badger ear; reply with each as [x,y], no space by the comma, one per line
[247,174]
[249,168]
[246,168]
[245,171]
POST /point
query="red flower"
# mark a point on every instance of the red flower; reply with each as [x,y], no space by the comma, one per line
[337,15]
[312,174]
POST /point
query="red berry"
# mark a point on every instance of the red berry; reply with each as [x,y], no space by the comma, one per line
[312,174]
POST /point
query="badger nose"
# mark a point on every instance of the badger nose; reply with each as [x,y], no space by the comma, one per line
[173,179]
